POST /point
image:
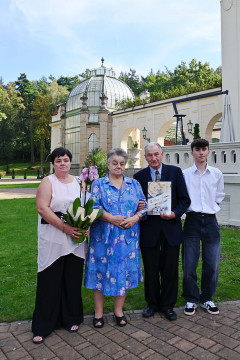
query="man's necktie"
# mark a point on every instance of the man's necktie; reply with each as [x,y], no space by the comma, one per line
[157,178]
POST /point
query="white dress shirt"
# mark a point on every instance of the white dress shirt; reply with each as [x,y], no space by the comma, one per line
[153,172]
[206,190]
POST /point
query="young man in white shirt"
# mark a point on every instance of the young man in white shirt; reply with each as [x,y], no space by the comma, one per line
[205,186]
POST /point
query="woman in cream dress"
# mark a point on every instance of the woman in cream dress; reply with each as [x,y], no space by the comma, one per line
[60,259]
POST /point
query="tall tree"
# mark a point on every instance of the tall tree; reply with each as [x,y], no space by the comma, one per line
[10,106]
[58,94]
[85,75]
[132,80]
[42,117]
[196,132]
[28,92]
[185,79]
[68,82]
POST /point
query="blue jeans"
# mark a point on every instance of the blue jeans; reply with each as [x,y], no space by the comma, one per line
[206,229]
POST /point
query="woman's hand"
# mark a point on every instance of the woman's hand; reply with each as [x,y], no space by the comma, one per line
[117,220]
[73,231]
[129,222]
[87,232]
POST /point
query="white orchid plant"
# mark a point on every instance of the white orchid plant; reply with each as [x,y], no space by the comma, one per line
[79,215]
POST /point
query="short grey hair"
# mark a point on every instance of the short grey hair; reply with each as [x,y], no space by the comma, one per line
[117,152]
[151,144]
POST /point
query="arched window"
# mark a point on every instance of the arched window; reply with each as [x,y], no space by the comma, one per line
[176,156]
[224,157]
[214,157]
[233,156]
[167,158]
[93,143]
[186,158]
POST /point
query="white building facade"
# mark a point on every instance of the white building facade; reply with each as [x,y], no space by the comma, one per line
[89,119]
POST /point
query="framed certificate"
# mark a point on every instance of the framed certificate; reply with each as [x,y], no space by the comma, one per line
[159,197]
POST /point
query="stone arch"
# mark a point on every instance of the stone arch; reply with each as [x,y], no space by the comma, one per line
[210,126]
[162,131]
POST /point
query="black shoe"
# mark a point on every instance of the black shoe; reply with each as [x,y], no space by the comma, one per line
[98,323]
[169,314]
[121,320]
[71,329]
[39,341]
[148,312]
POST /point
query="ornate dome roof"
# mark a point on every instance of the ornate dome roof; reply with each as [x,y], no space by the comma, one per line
[102,80]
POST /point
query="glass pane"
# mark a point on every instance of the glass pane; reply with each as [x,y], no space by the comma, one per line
[93,142]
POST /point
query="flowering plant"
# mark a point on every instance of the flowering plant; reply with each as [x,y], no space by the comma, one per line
[81,213]
[90,173]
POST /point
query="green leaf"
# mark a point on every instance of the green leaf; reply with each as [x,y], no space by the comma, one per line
[76,205]
[68,219]
[86,223]
[89,207]
[100,211]
[79,222]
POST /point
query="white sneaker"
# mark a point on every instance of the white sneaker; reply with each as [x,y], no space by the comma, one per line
[210,307]
[190,308]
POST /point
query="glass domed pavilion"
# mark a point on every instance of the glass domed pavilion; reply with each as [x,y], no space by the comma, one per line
[101,81]
[87,123]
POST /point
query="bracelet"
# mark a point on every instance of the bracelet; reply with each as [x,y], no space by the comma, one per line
[63,227]
[139,217]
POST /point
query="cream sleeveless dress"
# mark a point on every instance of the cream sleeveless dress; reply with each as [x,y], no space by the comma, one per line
[52,242]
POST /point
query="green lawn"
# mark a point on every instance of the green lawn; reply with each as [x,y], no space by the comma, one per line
[18,265]
[17,186]
[21,168]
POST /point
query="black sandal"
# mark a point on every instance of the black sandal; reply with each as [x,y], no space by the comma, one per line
[72,330]
[96,321]
[119,319]
[38,341]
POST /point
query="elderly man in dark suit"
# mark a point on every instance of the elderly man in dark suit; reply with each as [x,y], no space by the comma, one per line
[161,235]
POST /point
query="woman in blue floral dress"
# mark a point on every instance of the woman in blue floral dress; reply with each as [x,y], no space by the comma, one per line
[113,264]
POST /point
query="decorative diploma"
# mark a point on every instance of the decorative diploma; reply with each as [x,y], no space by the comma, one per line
[159,197]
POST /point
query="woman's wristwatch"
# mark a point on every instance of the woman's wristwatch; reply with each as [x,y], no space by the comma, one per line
[139,217]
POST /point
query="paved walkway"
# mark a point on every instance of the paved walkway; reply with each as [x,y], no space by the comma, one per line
[202,336]
[16,193]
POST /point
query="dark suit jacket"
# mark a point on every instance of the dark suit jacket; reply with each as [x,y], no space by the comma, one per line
[151,227]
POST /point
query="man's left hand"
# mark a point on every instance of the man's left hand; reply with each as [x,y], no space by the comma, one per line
[164,216]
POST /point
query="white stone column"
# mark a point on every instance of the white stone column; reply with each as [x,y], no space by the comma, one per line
[230,34]
[83,136]
[103,120]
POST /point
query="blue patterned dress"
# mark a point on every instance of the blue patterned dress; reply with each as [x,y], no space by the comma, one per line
[113,262]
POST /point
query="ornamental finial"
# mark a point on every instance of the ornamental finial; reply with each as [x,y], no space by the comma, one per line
[102,60]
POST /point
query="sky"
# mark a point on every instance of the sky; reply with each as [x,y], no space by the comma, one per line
[65,37]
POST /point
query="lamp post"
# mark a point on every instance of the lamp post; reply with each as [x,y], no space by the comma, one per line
[180,126]
[144,132]
[190,127]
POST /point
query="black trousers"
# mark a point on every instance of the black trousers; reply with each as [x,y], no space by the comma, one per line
[58,297]
[161,274]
